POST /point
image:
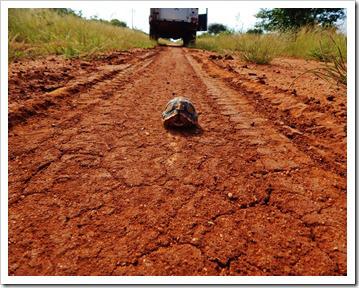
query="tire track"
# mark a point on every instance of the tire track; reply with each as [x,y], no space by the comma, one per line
[314,133]
[20,113]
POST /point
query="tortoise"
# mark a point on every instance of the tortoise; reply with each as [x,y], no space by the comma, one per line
[180,113]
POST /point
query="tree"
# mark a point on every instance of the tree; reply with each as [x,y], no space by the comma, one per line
[217,28]
[118,23]
[282,19]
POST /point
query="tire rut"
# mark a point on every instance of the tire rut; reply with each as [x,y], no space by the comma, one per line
[30,108]
[311,132]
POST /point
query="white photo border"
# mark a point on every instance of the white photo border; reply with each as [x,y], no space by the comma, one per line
[349,279]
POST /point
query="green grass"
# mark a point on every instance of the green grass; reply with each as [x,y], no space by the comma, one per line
[335,63]
[318,44]
[218,43]
[41,32]
[258,49]
[261,49]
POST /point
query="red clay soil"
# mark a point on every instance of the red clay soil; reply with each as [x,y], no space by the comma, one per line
[97,186]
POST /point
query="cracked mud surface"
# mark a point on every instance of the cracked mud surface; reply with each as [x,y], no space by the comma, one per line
[97,186]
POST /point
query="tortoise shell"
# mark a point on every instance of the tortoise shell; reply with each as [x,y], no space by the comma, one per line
[180,112]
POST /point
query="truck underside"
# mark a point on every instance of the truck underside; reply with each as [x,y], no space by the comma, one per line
[174,30]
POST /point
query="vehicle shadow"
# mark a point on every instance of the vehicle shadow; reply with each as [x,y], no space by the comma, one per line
[185,131]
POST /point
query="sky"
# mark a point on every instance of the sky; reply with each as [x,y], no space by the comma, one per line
[236,15]
[237,19]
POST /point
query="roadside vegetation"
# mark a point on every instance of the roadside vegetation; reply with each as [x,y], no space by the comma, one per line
[41,32]
[335,62]
[279,33]
[294,32]
[308,43]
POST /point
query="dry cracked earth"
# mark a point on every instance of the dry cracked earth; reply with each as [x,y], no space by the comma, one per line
[97,186]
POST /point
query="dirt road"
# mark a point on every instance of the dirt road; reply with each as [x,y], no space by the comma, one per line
[97,186]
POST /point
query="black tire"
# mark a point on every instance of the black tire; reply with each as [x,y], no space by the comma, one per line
[189,39]
[153,35]
[192,40]
[185,41]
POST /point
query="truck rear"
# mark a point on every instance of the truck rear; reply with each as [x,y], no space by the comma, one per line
[176,23]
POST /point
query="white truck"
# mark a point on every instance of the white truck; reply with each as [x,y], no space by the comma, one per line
[176,23]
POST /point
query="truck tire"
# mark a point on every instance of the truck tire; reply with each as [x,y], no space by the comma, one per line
[185,41]
[189,39]
[192,39]
[153,35]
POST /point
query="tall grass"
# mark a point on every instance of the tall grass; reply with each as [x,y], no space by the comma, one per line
[335,63]
[318,43]
[307,43]
[258,49]
[39,32]
[219,43]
